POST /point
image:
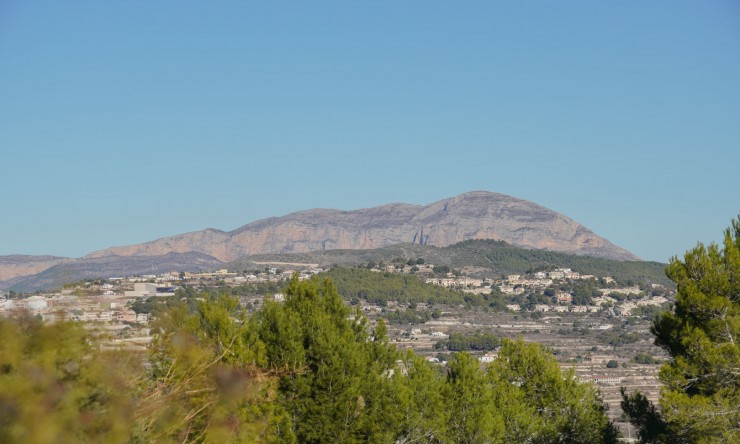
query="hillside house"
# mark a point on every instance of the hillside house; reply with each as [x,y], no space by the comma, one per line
[564,297]
[142,290]
[126,316]
[510,289]
[603,380]
[488,357]
[624,290]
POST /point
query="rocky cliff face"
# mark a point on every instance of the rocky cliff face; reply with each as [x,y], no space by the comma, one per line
[475,215]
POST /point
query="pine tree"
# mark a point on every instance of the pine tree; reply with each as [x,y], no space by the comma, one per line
[206,383]
[340,387]
[421,401]
[469,398]
[700,400]
[541,404]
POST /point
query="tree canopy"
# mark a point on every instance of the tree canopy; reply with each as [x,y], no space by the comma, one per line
[700,399]
[309,370]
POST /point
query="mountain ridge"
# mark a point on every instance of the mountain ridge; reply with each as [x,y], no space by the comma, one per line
[111,266]
[473,215]
[15,266]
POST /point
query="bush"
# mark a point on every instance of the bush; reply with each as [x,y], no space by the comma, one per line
[644,358]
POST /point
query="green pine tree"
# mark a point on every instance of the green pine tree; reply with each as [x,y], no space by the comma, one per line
[469,398]
[700,400]
[206,382]
[541,404]
[421,399]
[340,386]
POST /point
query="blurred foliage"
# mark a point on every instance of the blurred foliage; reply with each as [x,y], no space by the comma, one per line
[56,387]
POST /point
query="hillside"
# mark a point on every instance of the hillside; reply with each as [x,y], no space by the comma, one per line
[379,288]
[16,267]
[364,233]
[106,267]
[474,215]
[484,258]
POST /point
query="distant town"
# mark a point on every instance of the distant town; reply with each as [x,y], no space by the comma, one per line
[594,324]
[110,300]
[116,300]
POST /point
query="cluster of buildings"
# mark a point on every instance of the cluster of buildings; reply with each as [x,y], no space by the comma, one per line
[111,300]
[270,274]
[516,284]
[53,307]
[543,308]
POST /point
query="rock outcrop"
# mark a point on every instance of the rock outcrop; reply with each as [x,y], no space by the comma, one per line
[475,215]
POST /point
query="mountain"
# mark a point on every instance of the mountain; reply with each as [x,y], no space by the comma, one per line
[475,215]
[18,266]
[112,266]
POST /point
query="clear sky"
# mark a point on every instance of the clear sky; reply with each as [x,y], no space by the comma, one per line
[122,122]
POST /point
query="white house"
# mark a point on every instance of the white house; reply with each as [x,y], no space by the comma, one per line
[142,290]
[488,357]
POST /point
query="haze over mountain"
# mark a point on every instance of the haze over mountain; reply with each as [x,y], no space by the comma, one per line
[474,215]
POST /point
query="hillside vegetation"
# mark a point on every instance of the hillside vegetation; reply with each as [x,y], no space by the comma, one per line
[505,258]
[487,257]
[379,288]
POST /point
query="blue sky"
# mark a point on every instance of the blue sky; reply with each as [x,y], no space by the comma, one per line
[122,122]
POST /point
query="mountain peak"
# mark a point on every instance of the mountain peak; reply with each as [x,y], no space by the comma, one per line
[471,215]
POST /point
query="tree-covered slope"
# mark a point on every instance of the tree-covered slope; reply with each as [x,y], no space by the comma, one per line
[504,258]
[384,286]
[492,258]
